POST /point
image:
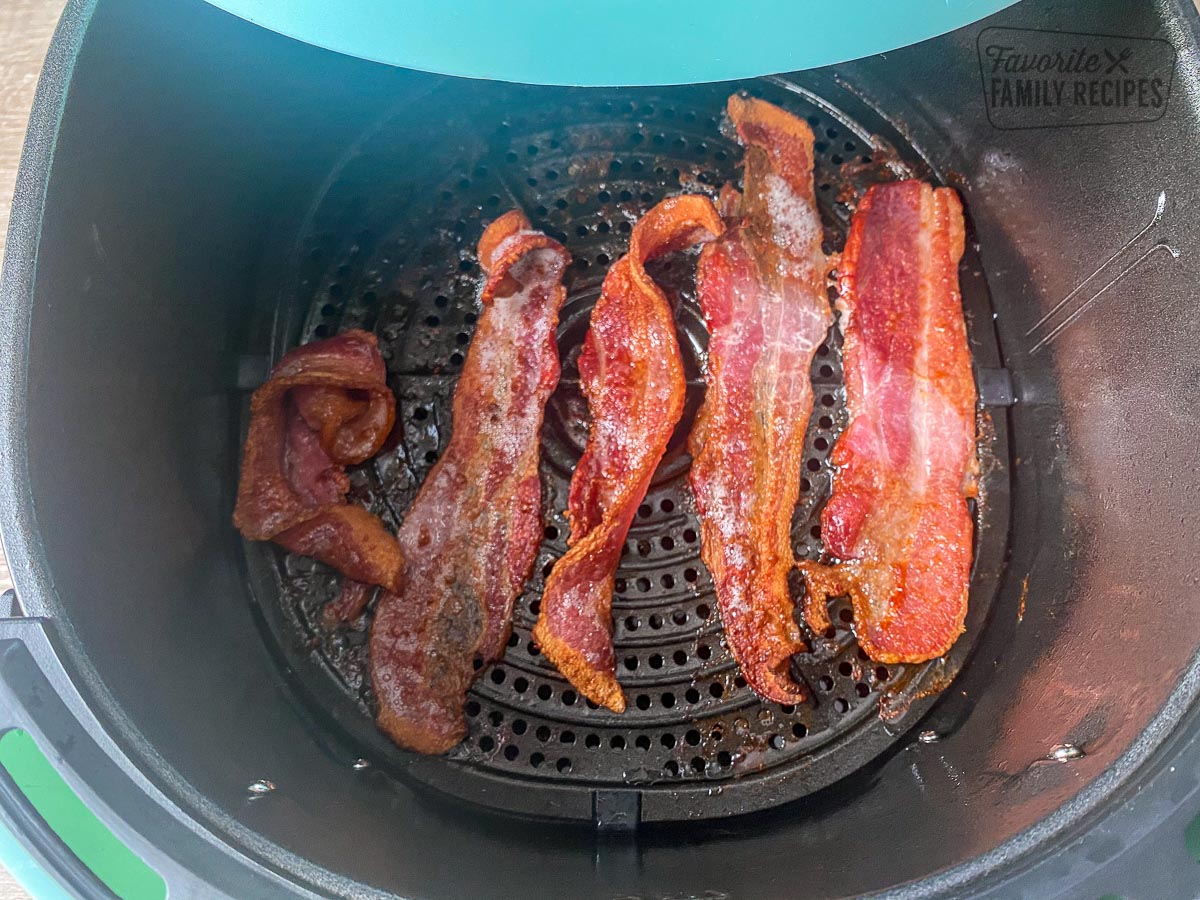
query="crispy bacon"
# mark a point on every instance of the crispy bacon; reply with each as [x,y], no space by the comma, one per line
[326,406]
[898,517]
[472,533]
[762,289]
[632,377]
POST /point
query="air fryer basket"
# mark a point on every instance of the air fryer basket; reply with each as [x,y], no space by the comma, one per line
[390,247]
[206,195]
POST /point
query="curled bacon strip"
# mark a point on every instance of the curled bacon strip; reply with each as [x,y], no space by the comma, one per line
[471,535]
[326,406]
[898,517]
[762,289]
[632,378]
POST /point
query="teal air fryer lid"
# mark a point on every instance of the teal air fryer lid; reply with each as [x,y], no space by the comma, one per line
[614,42]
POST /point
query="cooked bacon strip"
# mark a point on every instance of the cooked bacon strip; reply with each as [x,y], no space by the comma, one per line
[762,289]
[898,517]
[632,377]
[472,533]
[348,605]
[326,406]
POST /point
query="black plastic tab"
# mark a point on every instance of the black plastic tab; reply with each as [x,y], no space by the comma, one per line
[616,810]
[996,387]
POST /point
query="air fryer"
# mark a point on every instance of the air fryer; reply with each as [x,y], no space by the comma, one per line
[198,195]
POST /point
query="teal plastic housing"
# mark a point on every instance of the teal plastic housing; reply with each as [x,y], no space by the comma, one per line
[614,42]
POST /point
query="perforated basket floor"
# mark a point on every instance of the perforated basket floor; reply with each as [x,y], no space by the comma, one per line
[389,246]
